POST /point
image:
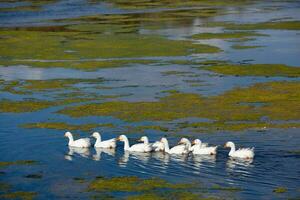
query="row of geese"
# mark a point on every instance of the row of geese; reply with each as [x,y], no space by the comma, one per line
[184,146]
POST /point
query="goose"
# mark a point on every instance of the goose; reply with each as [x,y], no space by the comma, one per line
[186,142]
[82,142]
[179,149]
[111,143]
[199,149]
[141,147]
[156,146]
[244,153]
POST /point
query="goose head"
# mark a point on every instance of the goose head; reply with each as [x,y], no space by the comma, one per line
[68,134]
[183,141]
[96,135]
[164,140]
[229,145]
[122,138]
[196,141]
[144,139]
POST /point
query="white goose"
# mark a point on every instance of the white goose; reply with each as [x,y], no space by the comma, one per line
[186,142]
[141,147]
[111,144]
[179,149]
[156,146]
[200,149]
[244,153]
[82,143]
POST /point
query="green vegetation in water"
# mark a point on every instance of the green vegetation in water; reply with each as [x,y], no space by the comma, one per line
[226,35]
[133,184]
[4,187]
[80,65]
[297,152]
[25,45]
[33,5]
[19,195]
[7,106]
[131,129]
[137,4]
[280,190]
[134,188]
[170,195]
[29,86]
[65,126]
[18,162]
[236,46]
[230,189]
[255,70]
[243,106]
[276,25]
[176,73]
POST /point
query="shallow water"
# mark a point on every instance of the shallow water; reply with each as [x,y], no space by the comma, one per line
[276,163]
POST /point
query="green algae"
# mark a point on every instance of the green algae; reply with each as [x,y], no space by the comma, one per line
[80,65]
[230,189]
[30,86]
[33,5]
[65,126]
[274,100]
[273,25]
[37,45]
[132,184]
[176,73]
[169,195]
[280,190]
[226,35]
[19,195]
[18,162]
[146,4]
[4,187]
[7,106]
[136,129]
[255,70]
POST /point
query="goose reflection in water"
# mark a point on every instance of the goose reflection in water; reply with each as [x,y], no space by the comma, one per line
[161,156]
[141,156]
[97,155]
[84,152]
[239,166]
[204,161]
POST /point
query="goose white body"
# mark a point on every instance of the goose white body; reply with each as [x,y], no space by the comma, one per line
[179,149]
[199,149]
[111,143]
[141,147]
[156,146]
[81,143]
[244,153]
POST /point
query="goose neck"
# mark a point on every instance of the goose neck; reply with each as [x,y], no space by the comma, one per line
[126,144]
[232,149]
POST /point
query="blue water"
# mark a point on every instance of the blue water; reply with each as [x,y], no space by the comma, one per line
[275,164]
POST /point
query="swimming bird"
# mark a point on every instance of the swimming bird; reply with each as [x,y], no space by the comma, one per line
[156,146]
[141,147]
[186,142]
[200,149]
[178,149]
[82,142]
[111,143]
[245,153]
